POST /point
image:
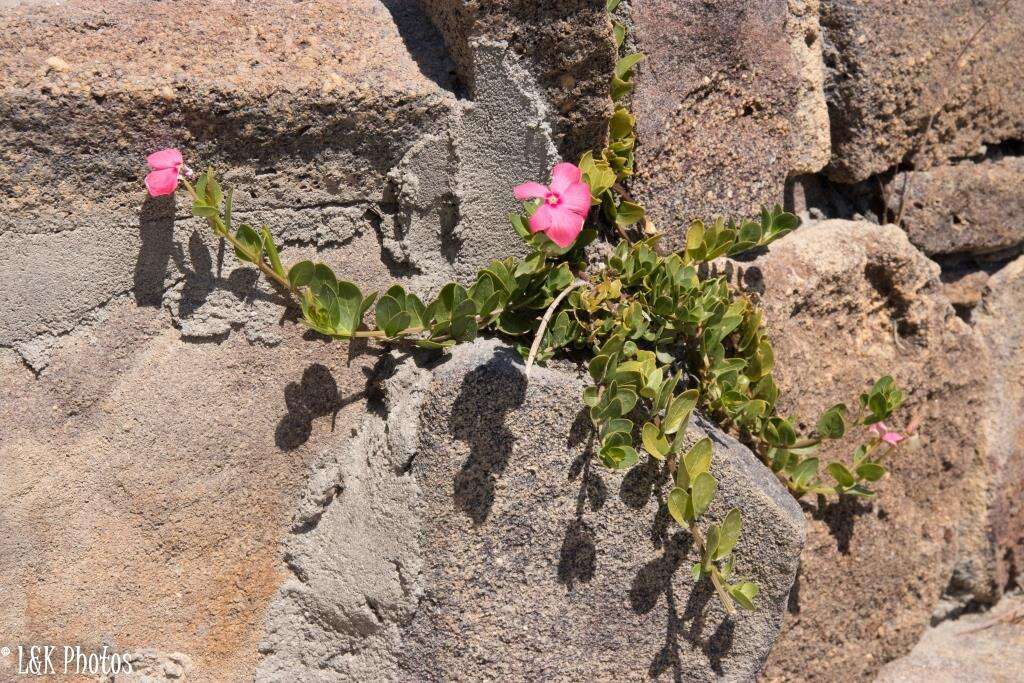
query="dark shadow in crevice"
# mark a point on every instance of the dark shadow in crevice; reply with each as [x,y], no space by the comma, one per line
[488,394]
[424,42]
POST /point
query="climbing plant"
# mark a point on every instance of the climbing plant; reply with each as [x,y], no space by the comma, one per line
[659,339]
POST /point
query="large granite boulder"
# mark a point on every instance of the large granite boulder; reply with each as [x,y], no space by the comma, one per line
[729,104]
[892,67]
[845,303]
[472,535]
[966,208]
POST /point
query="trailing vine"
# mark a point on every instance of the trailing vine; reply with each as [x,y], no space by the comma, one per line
[659,339]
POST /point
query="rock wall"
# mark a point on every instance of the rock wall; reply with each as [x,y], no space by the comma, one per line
[190,478]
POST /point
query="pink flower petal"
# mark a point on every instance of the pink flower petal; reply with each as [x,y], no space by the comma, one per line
[565,226]
[162,182]
[165,158]
[563,175]
[530,191]
[576,198]
[892,438]
[542,219]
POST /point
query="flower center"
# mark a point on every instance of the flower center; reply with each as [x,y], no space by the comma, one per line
[553,199]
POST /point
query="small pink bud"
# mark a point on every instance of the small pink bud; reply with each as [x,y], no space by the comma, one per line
[885,434]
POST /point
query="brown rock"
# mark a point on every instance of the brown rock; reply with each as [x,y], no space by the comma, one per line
[1000,323]
[966,208]
[891,67]
[982,648]
[729,104]
[846,303]
[568,46]
[148,482]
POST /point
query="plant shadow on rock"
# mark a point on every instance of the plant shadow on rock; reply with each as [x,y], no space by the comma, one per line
[488,394]
[840,517]
[316,395]
[577,559]
[652,581]
[156,231]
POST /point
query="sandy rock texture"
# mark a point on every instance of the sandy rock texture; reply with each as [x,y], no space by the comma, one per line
[893,66]
[967,208]
[729,104]
[985,648]
[567,45]
[1000,322]
[845,303]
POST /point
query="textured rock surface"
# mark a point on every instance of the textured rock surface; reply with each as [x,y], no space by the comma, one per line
[845,303]
[148,480]
[1000,322]
[729,104]
[891,67]
[568,45]
[965,208]
[337,125]
[981,648]
[550,567]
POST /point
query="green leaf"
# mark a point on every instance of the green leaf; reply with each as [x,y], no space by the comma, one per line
[655,444]
[628,213]
[618,457]
[350,308]
[703,491]
[626,64]
[729,534]
[271,249]
[590,396]
[832,424]
[871,471]
[203,211]
[805,471]
[301,274]
[610,5]
[679,506]
[619,29]
[841,474]
[392,316]
[252,241]
[679,410]
[744,594]
[698,459]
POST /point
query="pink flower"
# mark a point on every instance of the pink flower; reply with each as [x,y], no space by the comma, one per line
[882,432]
[564,205]
[167,165]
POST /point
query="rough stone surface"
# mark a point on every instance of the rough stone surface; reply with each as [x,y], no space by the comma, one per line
[1000,323]
[981,648]
[148,481]
[891,67]
[568,45]
[538,564]
[966,208]
[846,303]
[729,104]
[337,129]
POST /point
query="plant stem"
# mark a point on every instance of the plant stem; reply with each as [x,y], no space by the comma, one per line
[723,594]
[544,323]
